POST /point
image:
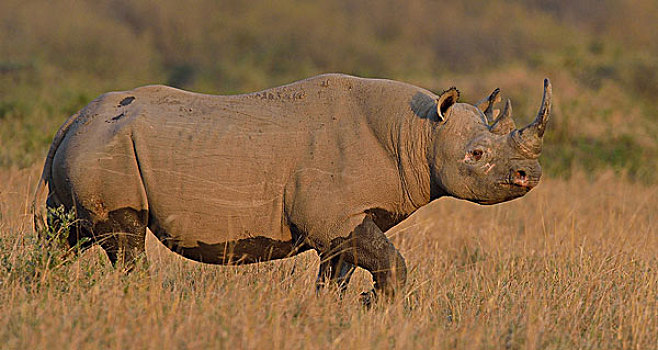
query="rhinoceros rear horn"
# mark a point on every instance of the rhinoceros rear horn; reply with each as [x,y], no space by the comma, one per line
[529,139]
[446,100]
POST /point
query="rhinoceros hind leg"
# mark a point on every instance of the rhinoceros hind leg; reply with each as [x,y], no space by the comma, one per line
[123,237]
[334,269]
[369,248]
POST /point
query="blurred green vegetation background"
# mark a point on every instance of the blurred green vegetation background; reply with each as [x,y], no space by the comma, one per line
[601,55]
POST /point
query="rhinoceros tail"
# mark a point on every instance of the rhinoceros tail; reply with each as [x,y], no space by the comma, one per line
[39,212]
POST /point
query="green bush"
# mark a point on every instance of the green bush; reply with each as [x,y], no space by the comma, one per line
[46,250]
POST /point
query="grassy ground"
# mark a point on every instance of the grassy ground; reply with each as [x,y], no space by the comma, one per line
[571,265]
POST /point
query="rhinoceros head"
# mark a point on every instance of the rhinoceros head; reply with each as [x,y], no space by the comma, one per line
[484,158]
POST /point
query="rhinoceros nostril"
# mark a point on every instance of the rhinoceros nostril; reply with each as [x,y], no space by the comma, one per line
[520,178]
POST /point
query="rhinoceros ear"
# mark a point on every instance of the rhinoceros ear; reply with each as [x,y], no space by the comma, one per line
[447,99]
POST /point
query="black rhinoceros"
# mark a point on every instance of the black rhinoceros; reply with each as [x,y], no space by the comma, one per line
[329,163]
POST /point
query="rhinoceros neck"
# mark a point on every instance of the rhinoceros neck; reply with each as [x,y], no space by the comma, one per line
[412,148]
[401,117]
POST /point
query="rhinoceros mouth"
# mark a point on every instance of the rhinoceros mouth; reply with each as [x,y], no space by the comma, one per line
[510,191]
[526,183]
[518,188]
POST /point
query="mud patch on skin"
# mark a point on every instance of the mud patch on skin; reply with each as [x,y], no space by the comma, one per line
[368,247]
[243,251]
[98,208]
[385,219]
[121,219]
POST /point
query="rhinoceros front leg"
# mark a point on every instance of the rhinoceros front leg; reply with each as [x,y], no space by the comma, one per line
[334,269]
[369,248]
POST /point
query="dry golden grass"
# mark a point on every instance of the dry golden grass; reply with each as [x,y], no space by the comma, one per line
[571,265]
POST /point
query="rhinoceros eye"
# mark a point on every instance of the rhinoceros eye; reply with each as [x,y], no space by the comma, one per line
[476,154]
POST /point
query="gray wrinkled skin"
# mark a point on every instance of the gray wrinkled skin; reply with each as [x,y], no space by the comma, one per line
[329,163]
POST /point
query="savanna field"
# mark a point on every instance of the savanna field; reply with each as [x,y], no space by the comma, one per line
[572,265]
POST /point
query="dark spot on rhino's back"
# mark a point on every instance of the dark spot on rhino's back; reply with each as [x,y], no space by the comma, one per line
[119,116]
[126,101]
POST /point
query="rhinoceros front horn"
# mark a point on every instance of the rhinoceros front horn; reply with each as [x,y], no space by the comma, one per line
[529,138]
